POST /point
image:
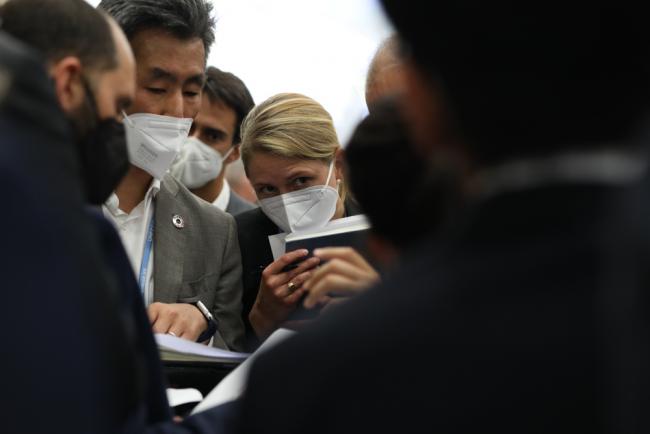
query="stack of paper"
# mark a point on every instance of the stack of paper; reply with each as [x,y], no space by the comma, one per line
[176,349]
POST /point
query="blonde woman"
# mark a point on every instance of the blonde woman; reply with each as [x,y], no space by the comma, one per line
[293,159]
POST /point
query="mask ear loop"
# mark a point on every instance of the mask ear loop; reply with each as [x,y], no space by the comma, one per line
[232,148]
[329,174]
[127,119]
[322,191]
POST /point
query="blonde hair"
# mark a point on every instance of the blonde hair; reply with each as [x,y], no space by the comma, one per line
[289,125]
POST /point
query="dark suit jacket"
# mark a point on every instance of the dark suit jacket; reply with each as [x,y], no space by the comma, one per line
[531,318]
[79,356]
[199,261]
[133,311]
[69,363]
[237,205]
[253,229]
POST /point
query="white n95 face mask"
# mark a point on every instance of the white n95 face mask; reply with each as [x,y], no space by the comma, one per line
[305,209]
[197,163]
[154,140]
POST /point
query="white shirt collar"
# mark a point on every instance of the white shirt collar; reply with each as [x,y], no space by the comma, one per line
[223,199]
[133,230]
[113,202]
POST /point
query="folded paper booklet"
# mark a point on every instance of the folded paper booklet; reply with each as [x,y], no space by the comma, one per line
[348,231]
[344,232]
[176,349]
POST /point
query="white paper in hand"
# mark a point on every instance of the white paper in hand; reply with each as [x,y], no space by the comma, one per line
[277,244]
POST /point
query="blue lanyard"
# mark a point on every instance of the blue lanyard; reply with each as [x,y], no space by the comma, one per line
[148,245]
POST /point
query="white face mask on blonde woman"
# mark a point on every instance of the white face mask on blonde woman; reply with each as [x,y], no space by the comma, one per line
[300,210]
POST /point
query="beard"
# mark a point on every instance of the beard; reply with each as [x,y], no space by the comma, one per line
[101,148]
[82,122]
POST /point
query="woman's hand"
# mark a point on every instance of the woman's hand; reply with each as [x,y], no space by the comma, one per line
[280,291]
[345,273]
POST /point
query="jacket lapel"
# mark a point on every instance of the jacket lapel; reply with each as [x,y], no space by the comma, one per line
[169,243]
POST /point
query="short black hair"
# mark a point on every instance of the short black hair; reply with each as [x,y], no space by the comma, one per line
[184,19]
[227,88]
[529,77]
[380,156]
[60,28]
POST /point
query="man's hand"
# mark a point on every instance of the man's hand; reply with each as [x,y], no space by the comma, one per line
[179,319]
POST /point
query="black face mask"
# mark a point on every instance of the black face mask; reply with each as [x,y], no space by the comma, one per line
[103,154]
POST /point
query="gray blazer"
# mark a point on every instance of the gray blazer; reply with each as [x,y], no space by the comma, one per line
[237,204]
[198,261]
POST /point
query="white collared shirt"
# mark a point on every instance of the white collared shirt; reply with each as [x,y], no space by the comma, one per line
[133,228]
[223,199]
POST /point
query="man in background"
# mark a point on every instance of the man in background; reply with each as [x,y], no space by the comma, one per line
[214,142]
[385,76]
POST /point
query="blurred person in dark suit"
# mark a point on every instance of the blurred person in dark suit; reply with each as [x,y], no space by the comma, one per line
[407,210]
[529,314]
[85,361]
[76,359]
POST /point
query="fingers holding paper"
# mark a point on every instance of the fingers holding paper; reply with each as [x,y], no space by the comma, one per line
[345,273]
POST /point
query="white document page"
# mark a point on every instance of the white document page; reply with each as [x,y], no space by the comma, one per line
[277,244]
[234,384]
[183,396]
[359,222]
[188,347]
[278,241]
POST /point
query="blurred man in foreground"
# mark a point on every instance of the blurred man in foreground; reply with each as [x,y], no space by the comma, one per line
[529,315]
